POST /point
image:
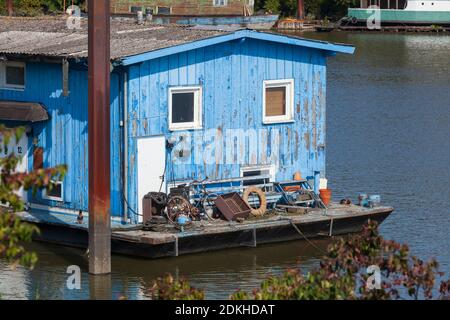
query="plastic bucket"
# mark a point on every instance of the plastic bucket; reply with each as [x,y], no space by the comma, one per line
[325,195]
[182,220]
[362,199]
[375,200]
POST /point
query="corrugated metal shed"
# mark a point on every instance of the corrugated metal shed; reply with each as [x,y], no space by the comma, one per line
[51,37]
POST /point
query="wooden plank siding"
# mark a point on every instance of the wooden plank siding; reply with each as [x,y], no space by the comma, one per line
[231,75]
[63,138]
[191,7]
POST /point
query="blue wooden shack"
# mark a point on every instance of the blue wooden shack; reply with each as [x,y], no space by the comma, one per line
[186,104]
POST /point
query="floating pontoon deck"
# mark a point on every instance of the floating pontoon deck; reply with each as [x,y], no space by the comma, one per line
[203,236]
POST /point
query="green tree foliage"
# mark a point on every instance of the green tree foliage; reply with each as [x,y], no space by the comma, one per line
[39,7]
[13,232]
[342,274]
[272,6]
[167,288]
[23,7]
[314,8]
[348,3]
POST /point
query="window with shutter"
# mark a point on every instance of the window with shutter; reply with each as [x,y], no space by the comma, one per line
[278,101]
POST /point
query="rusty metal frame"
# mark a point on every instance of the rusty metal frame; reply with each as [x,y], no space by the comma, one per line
[301,9]
[9,6]
[99,138]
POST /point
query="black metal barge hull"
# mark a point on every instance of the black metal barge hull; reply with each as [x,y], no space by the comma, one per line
[206,236]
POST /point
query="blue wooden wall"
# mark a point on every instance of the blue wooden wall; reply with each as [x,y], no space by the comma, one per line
[64,136]
[231,75]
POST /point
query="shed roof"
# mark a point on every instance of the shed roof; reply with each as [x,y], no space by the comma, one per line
[130,42]
[22,111]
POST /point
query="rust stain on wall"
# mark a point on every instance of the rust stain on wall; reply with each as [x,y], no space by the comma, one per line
[134,127]
[145,126]
[307,140]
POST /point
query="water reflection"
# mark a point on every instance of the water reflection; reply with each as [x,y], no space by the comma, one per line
[219,273]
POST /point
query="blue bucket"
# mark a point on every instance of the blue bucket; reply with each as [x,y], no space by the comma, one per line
[182,220]
[362,199]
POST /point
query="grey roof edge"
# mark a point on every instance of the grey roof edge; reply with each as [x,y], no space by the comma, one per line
[239,34]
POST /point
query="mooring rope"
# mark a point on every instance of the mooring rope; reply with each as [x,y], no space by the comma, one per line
[303,235]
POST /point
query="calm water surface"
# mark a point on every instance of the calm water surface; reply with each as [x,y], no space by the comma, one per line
[388,134]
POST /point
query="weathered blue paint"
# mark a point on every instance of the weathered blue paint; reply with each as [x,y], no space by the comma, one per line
[231,75]
[230,69]
[64,136]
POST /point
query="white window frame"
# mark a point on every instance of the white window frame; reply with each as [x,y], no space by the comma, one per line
[215,4]
[58,199]
[198,98]
[169,7]
[270,168]
[3,83]
[289,85]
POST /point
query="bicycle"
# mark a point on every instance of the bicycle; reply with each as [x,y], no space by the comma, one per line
[192,200]
[205,201]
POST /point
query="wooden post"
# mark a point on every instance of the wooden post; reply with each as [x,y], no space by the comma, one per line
[9,4]
[301,9]
[99,138]
[100,287]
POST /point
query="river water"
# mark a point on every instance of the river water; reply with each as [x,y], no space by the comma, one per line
[388,134]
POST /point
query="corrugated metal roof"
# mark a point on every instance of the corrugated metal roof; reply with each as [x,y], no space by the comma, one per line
[130,42]
[51,37]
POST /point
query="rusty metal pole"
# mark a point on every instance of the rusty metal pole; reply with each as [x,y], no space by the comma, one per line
[99,138]
[9,4]
[301,9]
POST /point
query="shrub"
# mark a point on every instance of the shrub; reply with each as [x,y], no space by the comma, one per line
[342,274]
[13,232]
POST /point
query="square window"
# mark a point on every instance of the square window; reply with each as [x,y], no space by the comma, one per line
[56,193]
[15,76]
[275,101]
[135,9]
[218,3]
[278,101]
[185,105]
[164,10]
[12,75]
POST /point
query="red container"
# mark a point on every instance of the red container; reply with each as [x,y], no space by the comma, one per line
[325,195]
[232,206]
